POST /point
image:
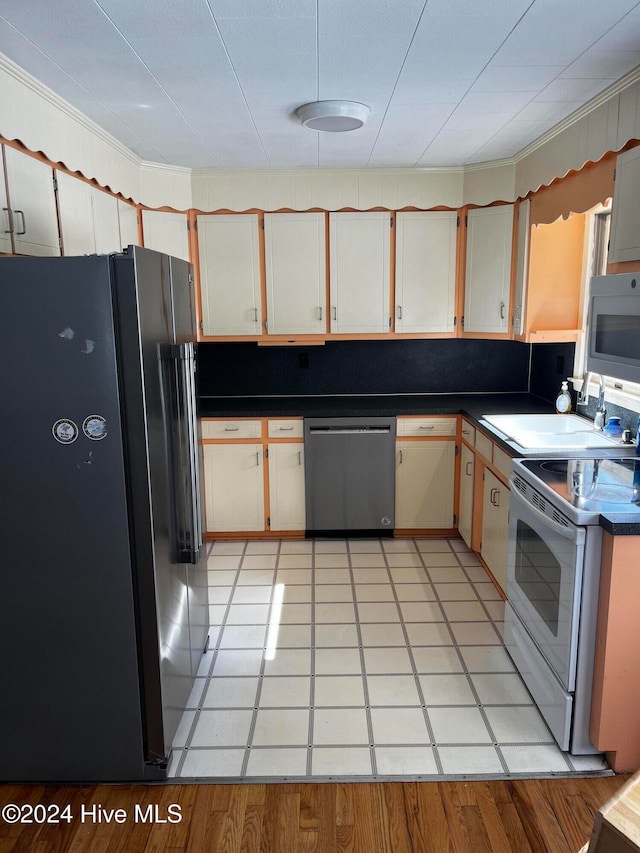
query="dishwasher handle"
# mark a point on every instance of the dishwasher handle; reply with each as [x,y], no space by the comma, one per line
[349,430]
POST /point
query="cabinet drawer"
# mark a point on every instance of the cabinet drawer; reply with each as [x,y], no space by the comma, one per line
[502,462]
[426,427]
[468,432]
[231,429]
[286,429]
[484,445]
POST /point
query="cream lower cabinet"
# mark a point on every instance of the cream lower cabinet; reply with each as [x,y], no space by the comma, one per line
[424,484]
[234,487]
[465,512]
[286,486]
[495,527]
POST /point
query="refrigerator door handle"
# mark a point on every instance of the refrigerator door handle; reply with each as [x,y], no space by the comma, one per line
[189,388]
[182,434]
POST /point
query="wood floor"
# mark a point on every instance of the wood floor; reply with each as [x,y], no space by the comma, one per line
[419,817]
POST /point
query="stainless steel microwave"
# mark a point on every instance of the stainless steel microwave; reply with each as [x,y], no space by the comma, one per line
[613,346]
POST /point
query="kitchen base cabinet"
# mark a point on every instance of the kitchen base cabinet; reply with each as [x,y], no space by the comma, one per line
[286,486]
[495,527]
[425,484]
[234,487]
[465,511]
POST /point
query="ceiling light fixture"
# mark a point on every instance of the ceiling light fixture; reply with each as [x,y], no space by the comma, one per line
[333,116]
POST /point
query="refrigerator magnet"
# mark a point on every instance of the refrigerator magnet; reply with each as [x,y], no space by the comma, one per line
[95,427]
[65,431]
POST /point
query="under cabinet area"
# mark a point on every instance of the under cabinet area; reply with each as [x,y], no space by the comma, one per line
[253,475]
[425,473]
[495,526]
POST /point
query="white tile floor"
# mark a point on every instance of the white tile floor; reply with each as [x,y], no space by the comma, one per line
[359,658]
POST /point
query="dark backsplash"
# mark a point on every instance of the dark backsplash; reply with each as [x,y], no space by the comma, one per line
[550,364]
[364,367]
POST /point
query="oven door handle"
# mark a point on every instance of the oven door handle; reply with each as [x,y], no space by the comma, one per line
[574,533]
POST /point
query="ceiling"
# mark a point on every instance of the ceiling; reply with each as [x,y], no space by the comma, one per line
[214,83]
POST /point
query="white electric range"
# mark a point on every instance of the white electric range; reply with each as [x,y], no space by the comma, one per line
[553,576]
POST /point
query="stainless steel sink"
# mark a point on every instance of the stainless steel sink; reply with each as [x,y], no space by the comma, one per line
[552,432]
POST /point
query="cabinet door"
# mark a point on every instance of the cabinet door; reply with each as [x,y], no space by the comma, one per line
[128,221]
[488,270]
[76,216]
[106,228]
[625,211]
[229,274]
[466,494]
[295,251]
[424,484]
[166,232]
[495,527]
[425,271]
[5,220]
[32,199]
[359,252]
[286,486]
[522,266]
[234,487]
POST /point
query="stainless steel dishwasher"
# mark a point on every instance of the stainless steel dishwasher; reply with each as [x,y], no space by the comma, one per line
[350,475]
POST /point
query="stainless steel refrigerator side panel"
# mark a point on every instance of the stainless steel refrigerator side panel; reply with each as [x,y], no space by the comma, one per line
[146,325]
[70,708]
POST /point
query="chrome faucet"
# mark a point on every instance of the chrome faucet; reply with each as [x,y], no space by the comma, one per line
[583,399]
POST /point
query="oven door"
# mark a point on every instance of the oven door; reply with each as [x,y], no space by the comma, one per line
[544,580]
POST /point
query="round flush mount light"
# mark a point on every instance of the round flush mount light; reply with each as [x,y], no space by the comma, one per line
[333,116]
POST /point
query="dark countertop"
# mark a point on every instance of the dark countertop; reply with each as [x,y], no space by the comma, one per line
[473,406]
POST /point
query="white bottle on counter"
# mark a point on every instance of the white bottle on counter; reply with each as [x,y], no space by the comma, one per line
[563,400]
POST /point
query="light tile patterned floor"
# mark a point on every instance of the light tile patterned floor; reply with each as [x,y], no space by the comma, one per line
[359,658]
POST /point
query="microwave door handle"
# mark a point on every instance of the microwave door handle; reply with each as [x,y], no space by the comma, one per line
[575,534]
[191,426]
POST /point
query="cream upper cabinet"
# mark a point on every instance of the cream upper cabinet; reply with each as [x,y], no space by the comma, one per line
[488,269]
[88,218]
[31,198]
[229,254]
[166,232]
[495,527]
[234,487]
[5,219]
[286,486]
[425,271]
[128,222]
[76,216]
[467,469]
[522,266]
[295,253]
[106,225]
[424,484]
[359,252]
[625,214]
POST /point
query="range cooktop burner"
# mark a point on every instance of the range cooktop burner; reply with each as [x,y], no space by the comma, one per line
[555,466]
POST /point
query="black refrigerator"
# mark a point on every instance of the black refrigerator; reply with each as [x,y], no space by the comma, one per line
[103,586]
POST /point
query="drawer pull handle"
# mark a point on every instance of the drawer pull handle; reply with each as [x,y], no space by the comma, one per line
[431,426]
[401,457]
[495,497]
[285,429]
[258,458]
[468,468]
[231,429]
[299,457]
[466,432]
